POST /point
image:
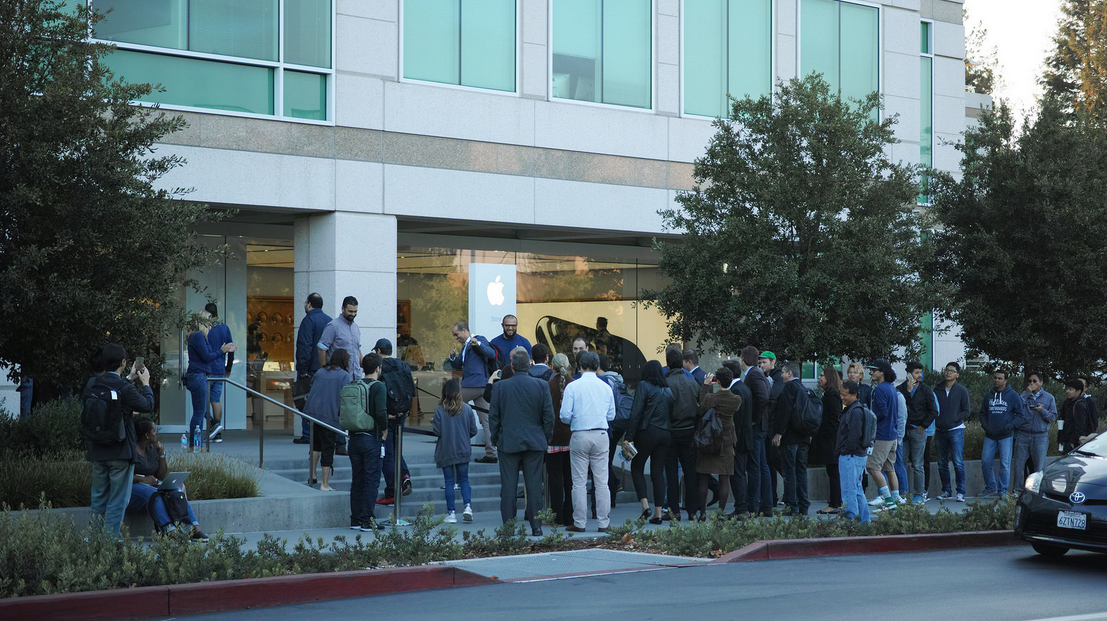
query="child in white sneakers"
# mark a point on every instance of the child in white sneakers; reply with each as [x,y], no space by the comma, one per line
[455,425]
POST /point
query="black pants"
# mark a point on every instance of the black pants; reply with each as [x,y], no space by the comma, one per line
[322,441]
[739,485]
[682,451]
[530,462]
[653,445]
[559,476]
[835,483]
[772,455]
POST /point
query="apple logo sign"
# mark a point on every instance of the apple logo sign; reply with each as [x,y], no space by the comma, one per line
[496,292]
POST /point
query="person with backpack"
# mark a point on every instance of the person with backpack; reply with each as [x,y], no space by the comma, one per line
[715,449]
[454,425]
[399,387]
[363,413]
[168,509]
[856,433]
[1075,422]
[618,428]
[648,430]
[477,361]
[107,425]
[792,442]
[323,403]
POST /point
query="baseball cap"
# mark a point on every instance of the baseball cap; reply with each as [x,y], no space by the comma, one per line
[768,354]
[881,365]
[384,345]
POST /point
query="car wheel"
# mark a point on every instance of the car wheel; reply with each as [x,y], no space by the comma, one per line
[1049,551]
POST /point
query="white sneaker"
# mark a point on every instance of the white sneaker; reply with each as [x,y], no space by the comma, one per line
[215,432]
[876,502]
[960,498]
[900,500]
[467,514]
[451,518]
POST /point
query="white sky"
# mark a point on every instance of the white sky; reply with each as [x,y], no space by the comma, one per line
[1022,30]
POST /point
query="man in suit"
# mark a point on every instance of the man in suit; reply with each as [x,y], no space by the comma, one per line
[307,361]
[520,417]
[744,445]
[113,465]
[758,477]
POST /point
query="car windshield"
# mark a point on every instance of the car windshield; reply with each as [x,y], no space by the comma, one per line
[1096,446]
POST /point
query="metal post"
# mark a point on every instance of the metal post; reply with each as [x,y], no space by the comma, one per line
[398,481]
[261,440]
[205,441]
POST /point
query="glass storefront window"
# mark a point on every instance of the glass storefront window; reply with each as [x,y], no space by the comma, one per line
[602,51]
[558,298]
[841,41]
[727,50]
[462,43]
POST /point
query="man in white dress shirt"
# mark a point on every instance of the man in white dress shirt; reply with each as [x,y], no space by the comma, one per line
[587,406]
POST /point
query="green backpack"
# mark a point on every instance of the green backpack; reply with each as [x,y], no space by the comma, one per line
[353,406]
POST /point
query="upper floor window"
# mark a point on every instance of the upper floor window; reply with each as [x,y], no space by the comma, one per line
[926,106]
[603,51]
[727,51]
[841,40]
[225,54]
[462,42]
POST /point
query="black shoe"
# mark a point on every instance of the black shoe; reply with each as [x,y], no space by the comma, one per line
[485,460]
[406,486]
[198,536]
[300,440]
[655,520]
[602,529]
[646,513]
[536,531]
[573,528]
[341,450]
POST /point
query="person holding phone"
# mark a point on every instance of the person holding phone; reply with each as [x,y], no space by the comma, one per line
[1032,433]
[200,357]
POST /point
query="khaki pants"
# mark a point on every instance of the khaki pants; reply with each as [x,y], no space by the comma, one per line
[588,449]
[476,395]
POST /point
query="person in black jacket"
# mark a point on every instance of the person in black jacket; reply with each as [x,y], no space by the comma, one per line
[648,429]
[922,409]
[1075,423]
[682,449]
[949,432]
[792,445]
[758,478]
[744,444]
[113,465]
[823,446]
[852,453]
[767,363]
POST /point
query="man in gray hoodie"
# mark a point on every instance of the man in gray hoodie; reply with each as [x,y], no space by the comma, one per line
[1032,435]
[1000,414]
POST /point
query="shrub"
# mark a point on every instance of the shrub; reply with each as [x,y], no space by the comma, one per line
[64,479]
[52,427]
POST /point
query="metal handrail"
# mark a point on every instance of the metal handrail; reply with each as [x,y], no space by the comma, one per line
[261,428]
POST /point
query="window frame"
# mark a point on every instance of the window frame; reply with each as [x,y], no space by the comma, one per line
[518,92]
[933,137]
[279,67]
[879,43]
[772,60]
[652,109]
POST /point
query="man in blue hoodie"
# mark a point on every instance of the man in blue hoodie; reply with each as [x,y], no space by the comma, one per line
[1000,414]
[886,407]
[1032,435]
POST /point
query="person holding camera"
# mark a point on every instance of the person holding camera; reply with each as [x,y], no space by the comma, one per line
[708,462]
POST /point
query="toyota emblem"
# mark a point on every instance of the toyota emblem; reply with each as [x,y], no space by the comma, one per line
[1077,498]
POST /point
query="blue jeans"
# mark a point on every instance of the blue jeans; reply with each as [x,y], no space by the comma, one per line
[462,471]
[111,492]
[390,460]
[1028,445]
[365,460]
[215,391]
[140,501]
[951,445]
[901,470]
[793,467]
[197,384]
[850,470]
[992,482]
[758,487]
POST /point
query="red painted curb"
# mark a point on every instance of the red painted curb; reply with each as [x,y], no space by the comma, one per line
[205,597]
[841,546]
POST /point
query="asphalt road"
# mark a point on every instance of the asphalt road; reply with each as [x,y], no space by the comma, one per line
[1009,583]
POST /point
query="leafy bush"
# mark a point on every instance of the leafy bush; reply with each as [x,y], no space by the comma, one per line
[64,479]
[52,427]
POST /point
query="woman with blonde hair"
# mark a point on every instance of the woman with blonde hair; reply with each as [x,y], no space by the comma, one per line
[856,373]
[455,426]
[559,473]
[200,357]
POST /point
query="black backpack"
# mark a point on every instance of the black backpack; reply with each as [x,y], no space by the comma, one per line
[868,427]
[493,364]
[102,415]
[176,506]
[709,433]
[399,386]
[623,399]
[808,414]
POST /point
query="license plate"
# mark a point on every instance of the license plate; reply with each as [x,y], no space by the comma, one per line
[1072,519]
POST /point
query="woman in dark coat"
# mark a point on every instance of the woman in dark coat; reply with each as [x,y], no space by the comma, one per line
[725,403]
[648,428]
[823,446]
[559,474]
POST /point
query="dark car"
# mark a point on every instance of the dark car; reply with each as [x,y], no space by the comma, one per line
[1065,506]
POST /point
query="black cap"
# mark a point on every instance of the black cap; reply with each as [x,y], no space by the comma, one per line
[884,367]
[384,346]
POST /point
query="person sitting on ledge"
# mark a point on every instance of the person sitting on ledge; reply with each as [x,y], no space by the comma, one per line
[150,469]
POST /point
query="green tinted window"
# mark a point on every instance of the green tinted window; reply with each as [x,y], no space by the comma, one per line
[246,28]
[197,83]
[926,105]
[602,51]
[469,43]
[307,32]
[305,95]
[924,39]
[162,23]
[727,49]
[860,51]
[819,39]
